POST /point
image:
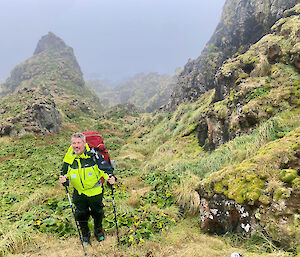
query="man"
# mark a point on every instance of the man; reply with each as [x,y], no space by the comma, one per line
[87,171]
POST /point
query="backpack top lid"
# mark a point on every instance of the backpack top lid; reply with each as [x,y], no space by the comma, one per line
[93,138]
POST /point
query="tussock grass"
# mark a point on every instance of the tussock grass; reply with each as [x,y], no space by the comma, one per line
[258,243]
[13,237]
[5,140]
[186,196]
[37,198]
[137,189]
[183,155]
[184,240]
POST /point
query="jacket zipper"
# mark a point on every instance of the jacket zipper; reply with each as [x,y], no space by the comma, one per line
[95,173]
[79,171]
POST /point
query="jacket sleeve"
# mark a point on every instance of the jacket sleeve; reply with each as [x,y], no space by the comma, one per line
[64,168]
[64,171]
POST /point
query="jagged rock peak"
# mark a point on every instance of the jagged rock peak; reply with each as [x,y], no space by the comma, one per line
[53,64]
[49,41]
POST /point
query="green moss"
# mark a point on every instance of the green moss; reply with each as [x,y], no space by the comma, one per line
[237,189]
[253,195]
[254,189]
[225,182]
[296,181]
[288,175]
[221,109]
[264,199]
[190,129]
[241,77]
[247,58]
[218,187]
[281,193]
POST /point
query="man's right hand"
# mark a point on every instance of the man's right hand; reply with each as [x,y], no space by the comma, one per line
[63,179]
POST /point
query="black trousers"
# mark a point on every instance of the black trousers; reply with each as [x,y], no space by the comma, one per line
[86,206]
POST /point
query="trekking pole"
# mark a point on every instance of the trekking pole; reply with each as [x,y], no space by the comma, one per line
[81,240]
[114,206]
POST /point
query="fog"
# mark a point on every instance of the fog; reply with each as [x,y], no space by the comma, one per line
[112,39]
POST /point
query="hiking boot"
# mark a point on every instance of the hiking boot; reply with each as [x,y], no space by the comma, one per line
[99,236]
[86,240]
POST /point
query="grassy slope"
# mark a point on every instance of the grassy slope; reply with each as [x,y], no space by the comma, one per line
[34,207]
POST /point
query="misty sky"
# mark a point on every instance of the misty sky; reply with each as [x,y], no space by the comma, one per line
[111,39]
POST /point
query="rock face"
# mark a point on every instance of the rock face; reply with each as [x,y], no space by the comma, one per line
[260,194]
[254,86]
[220,215]
[49,41]
[243,23]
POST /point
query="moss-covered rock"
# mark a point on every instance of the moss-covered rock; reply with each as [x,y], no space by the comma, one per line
[288,175]
[263,187]
[254,86]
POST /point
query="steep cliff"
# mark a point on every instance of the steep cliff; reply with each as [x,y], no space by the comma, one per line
[255,85]
[243,23]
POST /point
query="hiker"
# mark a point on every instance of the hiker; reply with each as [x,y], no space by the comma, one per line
[87,171]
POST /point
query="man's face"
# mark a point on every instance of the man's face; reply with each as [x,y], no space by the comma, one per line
[78,145]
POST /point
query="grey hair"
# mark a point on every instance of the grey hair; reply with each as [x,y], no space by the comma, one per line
[79,135]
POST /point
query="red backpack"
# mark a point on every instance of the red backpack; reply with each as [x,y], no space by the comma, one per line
[94,140]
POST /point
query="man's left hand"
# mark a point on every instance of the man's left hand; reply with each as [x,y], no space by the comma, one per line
[111,180]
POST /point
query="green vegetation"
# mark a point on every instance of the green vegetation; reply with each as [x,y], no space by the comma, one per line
[33,200]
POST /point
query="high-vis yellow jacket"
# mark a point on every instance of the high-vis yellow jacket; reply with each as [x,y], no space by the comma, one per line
[84,173]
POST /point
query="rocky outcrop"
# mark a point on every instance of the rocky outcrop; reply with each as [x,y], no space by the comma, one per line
[38,115]
[44,90]
[53,64]
[260,195]
[50,42]
[243,23]
[255,85]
